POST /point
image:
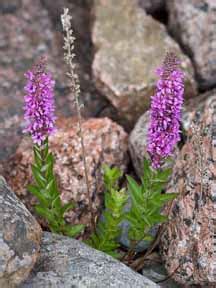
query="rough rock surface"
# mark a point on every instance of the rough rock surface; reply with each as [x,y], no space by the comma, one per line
[24,36]
[65,262]
[10,6]
[105,142]
[154,269]
[188,243]
[130,45]
[20,236]
[152,6]
[193,23]
[138,142]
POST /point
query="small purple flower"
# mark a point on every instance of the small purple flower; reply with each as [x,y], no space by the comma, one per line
[39,103]
[165,115]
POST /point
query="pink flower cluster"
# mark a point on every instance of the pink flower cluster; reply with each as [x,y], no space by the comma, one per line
[39,103]
[166,105]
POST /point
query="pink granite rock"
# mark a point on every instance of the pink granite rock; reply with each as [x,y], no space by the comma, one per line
[105,142]
[193,24]
[129,46]
[188,244]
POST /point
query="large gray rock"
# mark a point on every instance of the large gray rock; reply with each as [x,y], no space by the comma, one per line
[130,45]
[19,239]
[65,262]
[193,23]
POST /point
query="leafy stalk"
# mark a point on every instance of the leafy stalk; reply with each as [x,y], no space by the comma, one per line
[46,191]
[108,230]
[147,202]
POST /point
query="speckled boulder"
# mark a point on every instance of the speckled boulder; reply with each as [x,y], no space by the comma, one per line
[105,142]
[188,242]
[193,24]
[20,236]
[65,262]
[130,45]
[138,142]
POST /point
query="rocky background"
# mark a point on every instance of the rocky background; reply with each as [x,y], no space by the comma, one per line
[119,44]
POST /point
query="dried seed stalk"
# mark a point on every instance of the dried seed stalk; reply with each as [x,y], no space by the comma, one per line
[69,56]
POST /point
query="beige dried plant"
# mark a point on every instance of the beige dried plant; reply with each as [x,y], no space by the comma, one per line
[74,84]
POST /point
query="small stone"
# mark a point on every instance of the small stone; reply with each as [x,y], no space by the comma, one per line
[65,262]
[188,242]
[20,236]
[193,23]
[157,272]
[105,143]
[130,45]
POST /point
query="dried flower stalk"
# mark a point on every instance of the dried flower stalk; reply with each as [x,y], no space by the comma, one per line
[69,56]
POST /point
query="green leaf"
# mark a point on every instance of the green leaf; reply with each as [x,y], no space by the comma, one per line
[37,193]
[37,157]
[49,166]
[46,148]
[107,230]
[135,190]
[45,213]
[73,231]
[56,204]
[66,207]
[41,181]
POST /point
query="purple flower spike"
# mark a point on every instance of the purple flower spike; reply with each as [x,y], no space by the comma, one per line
[39,103]
[165,115]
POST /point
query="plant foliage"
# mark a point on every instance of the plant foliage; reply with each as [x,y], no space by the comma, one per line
[108,230]
[50,206]
[147,202]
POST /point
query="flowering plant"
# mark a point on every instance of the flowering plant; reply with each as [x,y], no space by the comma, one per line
[40,123]
[146,198]
[166,108]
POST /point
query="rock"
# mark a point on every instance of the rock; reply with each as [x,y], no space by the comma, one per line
[10,6]
[188,242]
[138,143]
[141,245]
[65,262]
[193,23]
[152,6]
[20,236]
[127,55]
[105,142]
[20,45]
[188,109]
[156,271]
